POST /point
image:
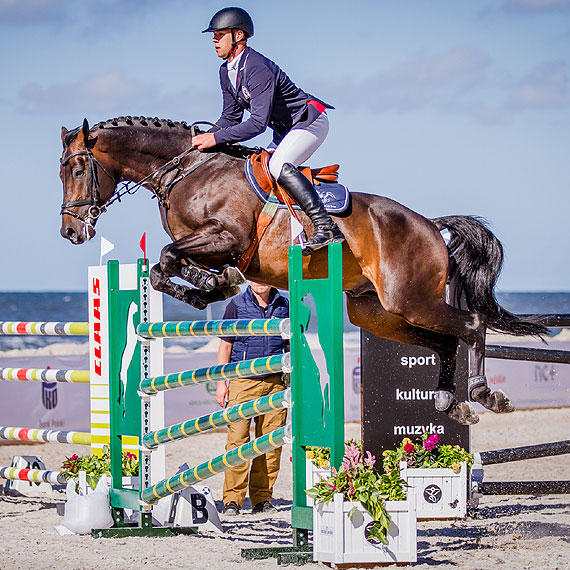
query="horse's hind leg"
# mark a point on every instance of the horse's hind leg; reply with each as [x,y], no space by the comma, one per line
[366,312]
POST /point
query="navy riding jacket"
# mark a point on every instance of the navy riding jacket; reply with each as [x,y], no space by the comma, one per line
[245,306]
[272,99]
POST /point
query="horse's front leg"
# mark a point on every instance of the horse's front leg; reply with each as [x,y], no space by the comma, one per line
[192,257]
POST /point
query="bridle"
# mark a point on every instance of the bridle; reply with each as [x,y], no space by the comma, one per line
[97,207]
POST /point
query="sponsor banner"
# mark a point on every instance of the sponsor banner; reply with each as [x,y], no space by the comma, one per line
[398,391]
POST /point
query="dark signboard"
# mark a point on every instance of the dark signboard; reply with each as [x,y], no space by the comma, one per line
[398,384]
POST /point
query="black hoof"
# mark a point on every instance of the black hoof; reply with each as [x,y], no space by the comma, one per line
[463,413]
[497,402]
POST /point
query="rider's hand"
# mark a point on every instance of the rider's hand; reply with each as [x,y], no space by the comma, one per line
[203,141]
[222,394]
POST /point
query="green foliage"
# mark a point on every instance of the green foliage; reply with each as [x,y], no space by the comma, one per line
[426,452]
[95,466]
[357,481]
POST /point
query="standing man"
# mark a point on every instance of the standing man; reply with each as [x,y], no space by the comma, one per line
[300,124]
[258,302]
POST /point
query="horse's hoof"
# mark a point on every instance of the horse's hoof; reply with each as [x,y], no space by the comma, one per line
[195,299]
[497,402]
[463,413]
[231,277]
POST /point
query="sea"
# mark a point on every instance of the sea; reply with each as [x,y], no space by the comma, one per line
[72,306]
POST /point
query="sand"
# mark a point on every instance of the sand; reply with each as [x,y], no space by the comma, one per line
[520,532]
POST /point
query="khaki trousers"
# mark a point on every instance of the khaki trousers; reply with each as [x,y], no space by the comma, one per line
[264,469]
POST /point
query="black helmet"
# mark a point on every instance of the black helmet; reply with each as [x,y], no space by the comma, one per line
[231,18]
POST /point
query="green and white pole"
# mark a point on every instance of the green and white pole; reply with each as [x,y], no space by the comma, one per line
[228,327]
[219,464]
[244,369]
[221,418]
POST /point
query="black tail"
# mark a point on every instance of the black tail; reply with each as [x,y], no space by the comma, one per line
[477,258]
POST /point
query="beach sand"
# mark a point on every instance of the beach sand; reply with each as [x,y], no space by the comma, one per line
[519,532]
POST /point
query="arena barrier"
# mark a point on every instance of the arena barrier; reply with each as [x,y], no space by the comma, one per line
[317,406]
[479,487]
[41,375]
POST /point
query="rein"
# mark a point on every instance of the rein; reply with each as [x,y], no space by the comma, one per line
[96,205]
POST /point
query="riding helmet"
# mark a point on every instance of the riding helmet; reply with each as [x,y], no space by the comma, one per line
[228,18]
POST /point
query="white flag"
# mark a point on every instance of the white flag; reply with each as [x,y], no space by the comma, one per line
[296,230]
[106,247]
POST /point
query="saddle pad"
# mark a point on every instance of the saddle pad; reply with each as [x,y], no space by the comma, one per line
[334,196]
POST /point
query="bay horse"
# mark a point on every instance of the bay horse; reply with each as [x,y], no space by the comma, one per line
[395,262]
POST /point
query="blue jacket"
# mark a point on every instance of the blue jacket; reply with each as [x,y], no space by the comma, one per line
[268,94]
[245,306]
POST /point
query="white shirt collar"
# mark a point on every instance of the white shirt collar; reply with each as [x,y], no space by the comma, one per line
[232,65]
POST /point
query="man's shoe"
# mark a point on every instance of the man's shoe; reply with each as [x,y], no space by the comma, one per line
[263,507]
[321,237]
[231,509]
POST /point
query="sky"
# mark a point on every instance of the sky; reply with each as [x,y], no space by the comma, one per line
[447,107]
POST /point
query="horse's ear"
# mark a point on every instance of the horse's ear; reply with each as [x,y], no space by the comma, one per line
[64,131]
[85,131]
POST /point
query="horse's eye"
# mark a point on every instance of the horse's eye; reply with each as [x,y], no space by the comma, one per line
[78,172]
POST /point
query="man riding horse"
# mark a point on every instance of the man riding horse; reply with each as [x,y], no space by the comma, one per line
[299,121]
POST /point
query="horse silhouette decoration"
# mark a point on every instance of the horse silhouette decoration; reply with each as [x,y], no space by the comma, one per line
[395,263]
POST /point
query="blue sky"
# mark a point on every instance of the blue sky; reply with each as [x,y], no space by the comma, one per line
[447,107]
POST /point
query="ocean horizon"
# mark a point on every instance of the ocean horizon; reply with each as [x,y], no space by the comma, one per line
[72,306]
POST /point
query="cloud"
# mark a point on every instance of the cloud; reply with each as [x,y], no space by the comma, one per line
[545,86]
[423,80]
[29,12]
[108,92]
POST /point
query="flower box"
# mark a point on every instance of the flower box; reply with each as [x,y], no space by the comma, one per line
[340,539]
[441,493]
[314,475]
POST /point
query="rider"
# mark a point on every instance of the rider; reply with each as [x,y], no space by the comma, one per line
[299,121]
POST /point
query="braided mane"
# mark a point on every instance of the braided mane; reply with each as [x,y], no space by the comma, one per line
[236,150]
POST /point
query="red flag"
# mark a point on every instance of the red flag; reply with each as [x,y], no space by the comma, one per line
[143,245]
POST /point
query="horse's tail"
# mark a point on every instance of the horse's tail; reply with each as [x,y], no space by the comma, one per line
[476,259]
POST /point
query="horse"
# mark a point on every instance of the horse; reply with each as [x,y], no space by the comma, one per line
[396,265]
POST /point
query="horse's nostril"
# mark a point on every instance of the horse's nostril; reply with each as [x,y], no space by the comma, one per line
[69,232]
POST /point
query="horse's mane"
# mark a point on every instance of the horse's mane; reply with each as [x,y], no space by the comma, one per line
[154,122]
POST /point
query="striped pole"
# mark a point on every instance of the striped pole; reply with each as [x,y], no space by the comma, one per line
[230,459]
[44,328]
[32,475]
[257,407]
[32,434]
[242,369]
[228,327]
[45,375]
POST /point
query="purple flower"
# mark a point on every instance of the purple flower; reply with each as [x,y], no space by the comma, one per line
[369,460]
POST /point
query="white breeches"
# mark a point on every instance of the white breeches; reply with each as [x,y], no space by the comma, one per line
[299,144]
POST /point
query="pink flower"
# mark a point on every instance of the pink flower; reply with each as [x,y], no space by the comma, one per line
[369,460]
[431,442]
[409,447]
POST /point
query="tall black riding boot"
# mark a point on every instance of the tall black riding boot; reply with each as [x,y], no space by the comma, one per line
[302,191]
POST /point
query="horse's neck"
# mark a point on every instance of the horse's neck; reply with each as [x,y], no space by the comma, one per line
[136,154]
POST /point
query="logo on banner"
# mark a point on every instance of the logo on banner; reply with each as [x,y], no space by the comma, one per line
[49,395]
[432,494]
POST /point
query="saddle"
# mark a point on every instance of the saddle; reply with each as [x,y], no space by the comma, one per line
[260,167]
[334,196]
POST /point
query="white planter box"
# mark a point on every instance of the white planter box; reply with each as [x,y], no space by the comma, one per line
[441,493]
[314,475]
[340,539]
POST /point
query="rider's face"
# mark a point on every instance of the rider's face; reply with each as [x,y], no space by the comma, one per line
[223,41]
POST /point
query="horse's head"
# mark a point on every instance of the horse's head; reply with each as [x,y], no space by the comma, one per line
[87,185]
